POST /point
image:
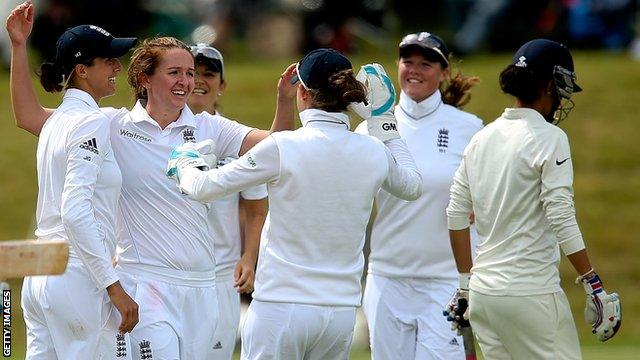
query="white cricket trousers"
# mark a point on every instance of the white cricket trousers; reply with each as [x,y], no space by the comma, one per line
[67,317]
[177,316]
[286,331]
[224,339]
[405,321]
[524,327]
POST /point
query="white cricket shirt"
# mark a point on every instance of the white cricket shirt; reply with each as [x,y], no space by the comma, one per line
[78,184]
[163,230]
[321,180]
[411,238]
[225,223]
[516,176]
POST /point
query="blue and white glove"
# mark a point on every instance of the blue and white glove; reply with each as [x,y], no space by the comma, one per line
[381,96]
[457,310]
[191,155]
[602,311]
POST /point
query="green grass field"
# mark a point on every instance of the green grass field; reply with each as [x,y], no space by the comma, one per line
[606,157]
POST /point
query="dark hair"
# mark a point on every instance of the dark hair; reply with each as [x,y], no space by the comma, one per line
[52,76]
[523,83]
[343,89]
[146,58]
[456,88]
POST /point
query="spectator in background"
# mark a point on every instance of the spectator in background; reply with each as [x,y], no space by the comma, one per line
[600,23]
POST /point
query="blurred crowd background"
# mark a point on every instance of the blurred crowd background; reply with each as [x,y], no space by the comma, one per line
[273,28]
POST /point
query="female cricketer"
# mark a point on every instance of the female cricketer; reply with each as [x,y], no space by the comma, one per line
[516,177]
[411,269]
[321,181]
[165,249]
[236,219]
[73,316]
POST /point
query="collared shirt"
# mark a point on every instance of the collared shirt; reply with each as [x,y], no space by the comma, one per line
[161,228]
[411,238]
[225,223]
[321,180]
[78,184]
[516,176]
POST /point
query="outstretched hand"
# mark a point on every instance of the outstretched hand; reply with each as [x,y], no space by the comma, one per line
[20,23]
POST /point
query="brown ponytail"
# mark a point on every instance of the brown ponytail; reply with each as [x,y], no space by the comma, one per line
[456,89]
[343,89]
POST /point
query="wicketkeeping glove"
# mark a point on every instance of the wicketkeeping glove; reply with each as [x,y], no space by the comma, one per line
[602,311]
[381,95]
[457,310]
[191,155]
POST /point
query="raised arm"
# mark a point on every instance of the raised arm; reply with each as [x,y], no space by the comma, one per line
[27,110]
[284,117]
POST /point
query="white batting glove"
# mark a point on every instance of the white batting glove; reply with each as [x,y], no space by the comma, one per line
[381,96]
[457,310]
[188,156]
[602,311]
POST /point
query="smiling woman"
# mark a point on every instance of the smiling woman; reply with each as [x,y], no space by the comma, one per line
[236,219]
[85,311]
[161,73]
[436,130]
[165,253]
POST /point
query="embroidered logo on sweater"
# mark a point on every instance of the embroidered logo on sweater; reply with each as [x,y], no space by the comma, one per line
[145,350]
[187,135]
[121,346]
[443,140]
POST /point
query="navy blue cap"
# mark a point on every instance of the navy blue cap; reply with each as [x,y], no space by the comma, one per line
[542,55]
[430,45]
[315,69]
[85,42]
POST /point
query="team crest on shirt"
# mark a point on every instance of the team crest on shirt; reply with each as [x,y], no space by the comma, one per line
[121,346]
[443,140]
[187,135]
[145,350]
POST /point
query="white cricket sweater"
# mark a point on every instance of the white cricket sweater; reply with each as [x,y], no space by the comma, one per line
[163,233]
[79,184]
[411,238]
[321,180]
[516,176]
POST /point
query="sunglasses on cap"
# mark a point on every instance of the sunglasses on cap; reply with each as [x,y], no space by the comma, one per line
[206,51]
[427,41]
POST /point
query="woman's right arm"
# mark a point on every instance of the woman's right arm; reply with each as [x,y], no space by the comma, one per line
[27,110]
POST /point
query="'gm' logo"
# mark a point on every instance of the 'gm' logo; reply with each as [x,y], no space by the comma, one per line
[388,126]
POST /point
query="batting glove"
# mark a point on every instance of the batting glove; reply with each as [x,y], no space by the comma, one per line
[188,155]
[602,311]
[381,95]
[457,310]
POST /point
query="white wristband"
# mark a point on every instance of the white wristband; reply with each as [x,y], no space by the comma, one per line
[463,280]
